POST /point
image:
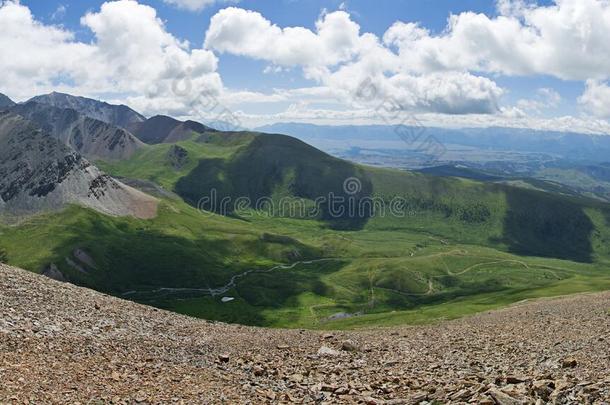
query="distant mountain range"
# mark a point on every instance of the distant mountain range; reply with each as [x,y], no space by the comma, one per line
[564,145]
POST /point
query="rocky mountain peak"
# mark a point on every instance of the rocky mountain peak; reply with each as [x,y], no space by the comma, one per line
[118,115]
[39,173]
[90,137]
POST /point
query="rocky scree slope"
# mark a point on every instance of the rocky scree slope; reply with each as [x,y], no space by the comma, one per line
[92,138]
[64,344]
[118,115]
[38,173]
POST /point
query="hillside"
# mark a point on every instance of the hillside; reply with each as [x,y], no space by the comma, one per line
[60,343]
[260,166]
[459,247]
[163,129]
[91,138]
[38,173]
[398,247]
[118,115]
[5,102]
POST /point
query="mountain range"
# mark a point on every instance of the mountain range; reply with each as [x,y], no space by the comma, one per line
[92,138]
[566,145]
[39,173]
[164,129]
[266,229]
[118,115]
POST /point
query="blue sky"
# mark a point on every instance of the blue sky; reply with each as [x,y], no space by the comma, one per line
[373,16]
[463,73]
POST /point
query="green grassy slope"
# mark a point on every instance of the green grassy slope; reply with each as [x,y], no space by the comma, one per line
[460,246]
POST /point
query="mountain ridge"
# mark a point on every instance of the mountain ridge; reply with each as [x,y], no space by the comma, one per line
[39,173]
[306,268]
[118,115]
[5,102]
[165,129]
[92,138]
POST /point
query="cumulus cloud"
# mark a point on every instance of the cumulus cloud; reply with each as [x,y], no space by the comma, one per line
[132,54]
[132,58]
[248,33]
[152,59]
[596,98]
[545,99]
[567,39]
[339,57]
[31,52]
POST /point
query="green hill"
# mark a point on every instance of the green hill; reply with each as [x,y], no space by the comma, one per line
[433,247]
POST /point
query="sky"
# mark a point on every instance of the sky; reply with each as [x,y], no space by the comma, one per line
[521,63]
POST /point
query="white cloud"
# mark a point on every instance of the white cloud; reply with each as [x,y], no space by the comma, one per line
[567,40]
[139,55]
[193,5]
[34,55]
[59,13]
[248,33]
[509,118]
[448,76]
[339,57]
[550,96]
[132,55]
[545,99]
[596,98]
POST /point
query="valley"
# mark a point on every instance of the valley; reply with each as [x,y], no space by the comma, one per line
[304,202]
[451,247]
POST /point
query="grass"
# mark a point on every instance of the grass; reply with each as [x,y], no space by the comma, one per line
[462,247]
[387,277]
[152,163]
[392,291]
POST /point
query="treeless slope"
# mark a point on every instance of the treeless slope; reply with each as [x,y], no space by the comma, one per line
[119,115]
[91,138]
[164,129]
[39,173]
[62,344]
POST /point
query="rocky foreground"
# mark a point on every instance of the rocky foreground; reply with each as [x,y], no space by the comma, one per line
[64,344]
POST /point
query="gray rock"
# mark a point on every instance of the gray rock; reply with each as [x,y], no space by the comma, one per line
[92,138]
[51,271]
[327,351]
[118,115]
[38,173]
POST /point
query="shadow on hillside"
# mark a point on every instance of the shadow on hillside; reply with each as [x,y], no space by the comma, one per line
[129,257]
[540,224]
[280,166]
